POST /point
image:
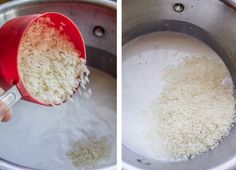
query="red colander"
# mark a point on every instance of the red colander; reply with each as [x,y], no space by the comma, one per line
[11,34]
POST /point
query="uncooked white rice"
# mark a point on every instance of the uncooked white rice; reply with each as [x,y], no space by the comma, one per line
[88,153]
[196,109]
[49,64]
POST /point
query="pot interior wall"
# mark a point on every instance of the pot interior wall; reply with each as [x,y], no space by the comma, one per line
[105,62]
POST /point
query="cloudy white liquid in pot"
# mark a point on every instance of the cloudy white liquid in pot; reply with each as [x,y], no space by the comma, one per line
[40,137]
[144,60]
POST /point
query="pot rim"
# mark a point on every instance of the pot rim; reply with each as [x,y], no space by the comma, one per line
[104,3]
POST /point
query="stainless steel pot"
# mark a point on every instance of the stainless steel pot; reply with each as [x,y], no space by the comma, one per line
[97,22]
[214,23]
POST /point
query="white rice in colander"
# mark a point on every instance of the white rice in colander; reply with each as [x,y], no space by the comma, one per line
[49,64]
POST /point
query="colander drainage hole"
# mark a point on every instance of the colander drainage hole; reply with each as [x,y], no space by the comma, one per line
[178,7]
[99,31]
[144,161]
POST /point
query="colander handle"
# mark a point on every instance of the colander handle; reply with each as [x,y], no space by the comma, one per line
[9,98]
